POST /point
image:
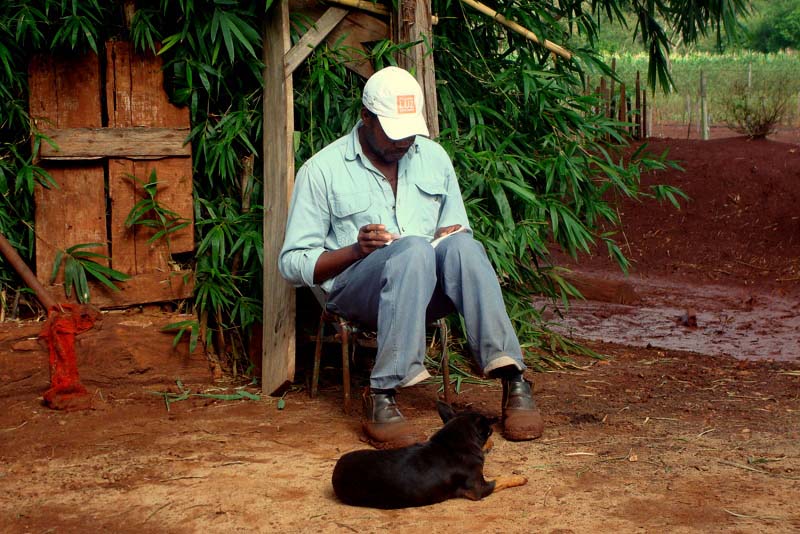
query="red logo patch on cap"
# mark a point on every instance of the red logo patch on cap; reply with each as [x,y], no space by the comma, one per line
[406,104]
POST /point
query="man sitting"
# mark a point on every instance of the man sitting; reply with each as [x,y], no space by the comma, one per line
[363,212]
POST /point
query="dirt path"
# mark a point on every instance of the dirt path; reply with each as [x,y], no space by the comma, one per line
[649,440]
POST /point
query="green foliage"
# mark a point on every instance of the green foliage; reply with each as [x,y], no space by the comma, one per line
[723,73]
[657,25]
[532,155]
[184,393]
[81,264]
[777,27]
[150,213]
[533,159]
[189,327]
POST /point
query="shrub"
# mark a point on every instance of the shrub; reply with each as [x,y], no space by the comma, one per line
[755,112]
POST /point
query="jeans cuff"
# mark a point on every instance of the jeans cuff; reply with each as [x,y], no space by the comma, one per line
[416,379]
[502,360]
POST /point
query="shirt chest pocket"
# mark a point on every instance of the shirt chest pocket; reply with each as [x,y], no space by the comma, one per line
[350,212]
[429,205]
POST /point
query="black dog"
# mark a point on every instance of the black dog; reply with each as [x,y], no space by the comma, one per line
[449,465]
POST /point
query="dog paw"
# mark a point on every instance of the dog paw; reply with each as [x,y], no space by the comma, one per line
[510,481]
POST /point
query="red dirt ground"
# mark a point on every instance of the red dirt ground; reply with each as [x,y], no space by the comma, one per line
[669,434]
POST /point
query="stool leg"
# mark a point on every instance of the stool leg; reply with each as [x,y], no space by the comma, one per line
[346,367]
[443,331]
[317,358]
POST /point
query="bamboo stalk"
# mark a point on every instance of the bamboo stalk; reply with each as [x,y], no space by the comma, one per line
[486,10]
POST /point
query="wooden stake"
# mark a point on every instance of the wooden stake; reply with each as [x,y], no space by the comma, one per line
[637,130]
[645,132]
[611,91]
[704,127]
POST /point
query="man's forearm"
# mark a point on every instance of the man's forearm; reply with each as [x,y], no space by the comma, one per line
[333,262]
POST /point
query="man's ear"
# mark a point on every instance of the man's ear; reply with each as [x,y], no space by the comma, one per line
[365,114]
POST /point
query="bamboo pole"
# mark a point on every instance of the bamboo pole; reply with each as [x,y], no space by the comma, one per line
[381,9]
[486,10]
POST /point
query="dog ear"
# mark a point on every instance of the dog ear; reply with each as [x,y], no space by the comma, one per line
[445,411]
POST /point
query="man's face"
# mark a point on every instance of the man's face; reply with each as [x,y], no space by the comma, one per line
[377,144]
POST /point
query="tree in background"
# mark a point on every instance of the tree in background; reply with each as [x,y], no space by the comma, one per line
[777,28]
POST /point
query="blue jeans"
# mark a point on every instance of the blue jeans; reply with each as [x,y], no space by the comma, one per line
[399,288]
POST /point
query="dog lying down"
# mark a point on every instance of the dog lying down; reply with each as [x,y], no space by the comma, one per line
[448,465]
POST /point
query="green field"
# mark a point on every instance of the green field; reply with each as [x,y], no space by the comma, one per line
[770,73]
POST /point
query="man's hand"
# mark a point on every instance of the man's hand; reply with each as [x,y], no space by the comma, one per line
[372,237]
[444,230]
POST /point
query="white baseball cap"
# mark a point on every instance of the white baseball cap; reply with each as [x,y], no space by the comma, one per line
[394,95]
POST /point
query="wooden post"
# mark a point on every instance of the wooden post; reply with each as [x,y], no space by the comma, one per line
[278,357]
[413,23]
[688,116]
[612,108]
[605,97]
[637,129]
[645,118]
[704,133]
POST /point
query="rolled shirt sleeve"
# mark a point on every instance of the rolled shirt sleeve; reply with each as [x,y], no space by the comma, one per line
[307,227]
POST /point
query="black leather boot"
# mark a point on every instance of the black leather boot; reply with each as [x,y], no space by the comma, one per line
[383,424]
[522,419]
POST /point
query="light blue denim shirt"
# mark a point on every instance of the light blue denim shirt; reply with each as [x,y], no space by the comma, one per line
[339,190]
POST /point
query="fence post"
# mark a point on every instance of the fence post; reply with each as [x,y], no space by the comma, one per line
[612,108]
[645,118]
[704,132]
[637,130]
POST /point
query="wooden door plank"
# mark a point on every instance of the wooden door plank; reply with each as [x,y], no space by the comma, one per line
[118,84]
[64,94]
[133,143]
[122,195]
[136,99]
[42,91]
[278,357]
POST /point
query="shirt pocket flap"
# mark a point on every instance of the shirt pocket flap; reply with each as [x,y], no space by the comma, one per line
[346,205]
[431,188]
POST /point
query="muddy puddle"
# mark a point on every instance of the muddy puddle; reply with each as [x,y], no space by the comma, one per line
[707,319]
